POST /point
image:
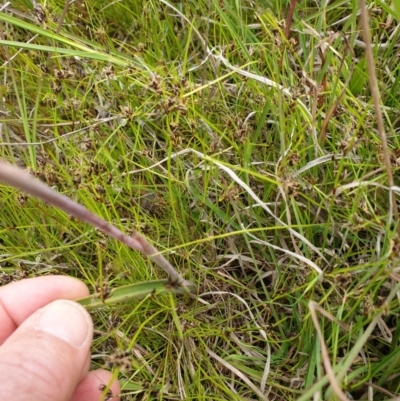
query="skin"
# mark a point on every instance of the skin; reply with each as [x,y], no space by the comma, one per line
[45,343]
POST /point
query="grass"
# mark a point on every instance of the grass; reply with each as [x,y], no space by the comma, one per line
[252,160]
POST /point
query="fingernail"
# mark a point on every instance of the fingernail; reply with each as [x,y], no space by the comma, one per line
[65,320]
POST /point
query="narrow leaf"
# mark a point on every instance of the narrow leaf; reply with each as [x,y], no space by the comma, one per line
[128,293]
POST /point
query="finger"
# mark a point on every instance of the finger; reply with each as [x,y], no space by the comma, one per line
[46,357]
[93,385]
[19,300]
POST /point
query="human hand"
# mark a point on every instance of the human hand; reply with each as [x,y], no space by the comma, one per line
[45,343]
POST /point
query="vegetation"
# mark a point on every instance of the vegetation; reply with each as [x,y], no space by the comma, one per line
[247,147]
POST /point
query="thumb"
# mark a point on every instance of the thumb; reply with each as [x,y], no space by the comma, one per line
[48,355]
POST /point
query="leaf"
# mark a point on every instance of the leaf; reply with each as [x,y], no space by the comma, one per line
[359,79]
[396,4]
[129,292]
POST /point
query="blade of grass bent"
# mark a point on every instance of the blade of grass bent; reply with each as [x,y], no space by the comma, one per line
[88,53]
[18,178]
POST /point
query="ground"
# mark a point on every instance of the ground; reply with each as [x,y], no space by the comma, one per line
[245,145]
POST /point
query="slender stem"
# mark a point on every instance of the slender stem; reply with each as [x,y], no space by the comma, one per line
[325,355]
[373,82]
[18,178]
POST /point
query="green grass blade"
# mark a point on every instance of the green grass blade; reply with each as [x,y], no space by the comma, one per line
[128,293]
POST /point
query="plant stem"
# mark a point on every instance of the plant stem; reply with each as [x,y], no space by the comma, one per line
[18,178]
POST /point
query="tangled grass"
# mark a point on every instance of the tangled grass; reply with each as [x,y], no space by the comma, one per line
[247,147]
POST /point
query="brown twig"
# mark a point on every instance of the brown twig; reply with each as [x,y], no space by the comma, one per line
[60,24]
[373,82]
[18,178]
[289,19]
[288,24]
[63,15]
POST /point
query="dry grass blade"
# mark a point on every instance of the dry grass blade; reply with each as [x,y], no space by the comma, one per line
[18,178]
[325,355]
[63,136]
[262,332]
[373,82]
[331,318]
[237,373]
[293,254]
